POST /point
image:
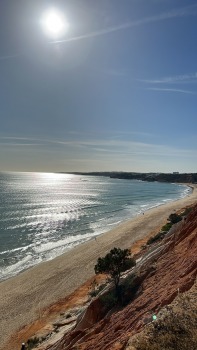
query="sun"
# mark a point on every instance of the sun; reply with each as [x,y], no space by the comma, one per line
[54,23]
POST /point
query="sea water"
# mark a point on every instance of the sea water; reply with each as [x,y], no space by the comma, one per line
[43,215]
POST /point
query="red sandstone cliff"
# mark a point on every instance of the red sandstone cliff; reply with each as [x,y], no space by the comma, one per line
[167,267]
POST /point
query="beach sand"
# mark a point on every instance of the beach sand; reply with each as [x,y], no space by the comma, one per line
[22,298]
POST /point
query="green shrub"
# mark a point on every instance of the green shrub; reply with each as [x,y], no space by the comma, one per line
[166,227]
[32,342]
[174,218]
[116,261]
[159,236]
[155,238]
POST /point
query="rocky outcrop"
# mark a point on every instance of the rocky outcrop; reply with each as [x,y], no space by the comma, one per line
[166,269]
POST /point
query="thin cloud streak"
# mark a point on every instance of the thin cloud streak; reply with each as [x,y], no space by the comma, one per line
[17,138]
[185,78]
[140,149]
[173,90]
[182,12]
[20,144]
[111,146]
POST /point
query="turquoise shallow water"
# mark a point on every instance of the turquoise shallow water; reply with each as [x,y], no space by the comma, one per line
[42,215]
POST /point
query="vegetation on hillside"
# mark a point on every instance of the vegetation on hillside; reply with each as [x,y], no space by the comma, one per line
[176,329]
[173,219]
[115,262]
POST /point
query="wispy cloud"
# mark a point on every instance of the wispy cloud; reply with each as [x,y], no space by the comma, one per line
[19,144]
[108,147]
[173,90]
[17,138]
[99,154]
[19,141]
[184,78]
[75,136]
[131,148]
[176,13]
[137,149]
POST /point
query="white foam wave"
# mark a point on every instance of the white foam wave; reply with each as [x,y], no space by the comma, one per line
[62,243]
[15,268]
[16,249]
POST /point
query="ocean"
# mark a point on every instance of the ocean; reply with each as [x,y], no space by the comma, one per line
[42,215]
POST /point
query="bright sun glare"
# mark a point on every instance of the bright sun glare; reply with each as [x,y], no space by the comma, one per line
[54,23]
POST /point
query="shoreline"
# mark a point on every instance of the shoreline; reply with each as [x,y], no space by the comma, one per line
[114,226]
[24,296]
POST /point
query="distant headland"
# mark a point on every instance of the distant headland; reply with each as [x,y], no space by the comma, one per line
[161,177]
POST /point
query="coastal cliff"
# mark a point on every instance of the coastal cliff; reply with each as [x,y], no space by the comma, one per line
[150,177]
[165,272]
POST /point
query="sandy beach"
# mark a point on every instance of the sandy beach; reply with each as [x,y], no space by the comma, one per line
[22,298]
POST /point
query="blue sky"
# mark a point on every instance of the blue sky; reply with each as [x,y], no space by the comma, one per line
[117,92]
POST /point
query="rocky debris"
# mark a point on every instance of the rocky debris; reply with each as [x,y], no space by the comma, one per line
[54,331]
[167,269]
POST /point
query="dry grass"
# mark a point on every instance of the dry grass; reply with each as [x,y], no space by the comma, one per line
[175,329]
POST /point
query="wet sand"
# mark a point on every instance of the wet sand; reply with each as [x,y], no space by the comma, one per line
[22,298]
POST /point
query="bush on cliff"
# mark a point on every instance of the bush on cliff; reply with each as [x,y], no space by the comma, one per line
[174,218]
[32,343]
[159,236]
[115,262]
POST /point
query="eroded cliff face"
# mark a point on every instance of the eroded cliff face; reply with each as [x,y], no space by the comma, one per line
[167,269]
